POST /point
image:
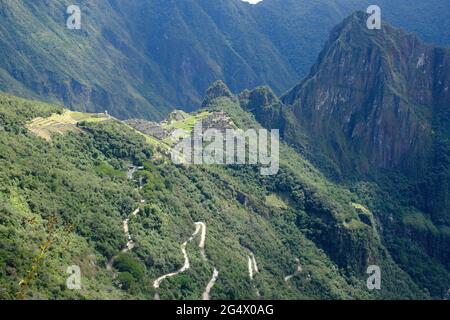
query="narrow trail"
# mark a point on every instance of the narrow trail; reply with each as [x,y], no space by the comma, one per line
[250,268]
[201,245]
[200,228]
[211,283]
[253,269]
[186,265]
[299,270]
[252,265]
[130,243]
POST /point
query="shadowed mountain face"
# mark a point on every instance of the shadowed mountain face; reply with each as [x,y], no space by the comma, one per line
[143,58]
[376,93]
[379,101]
[374,113]
[135,58]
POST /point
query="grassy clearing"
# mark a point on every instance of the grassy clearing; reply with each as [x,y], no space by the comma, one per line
[275,201]
[188,123]
[361,208]
[419,221]
[61,123]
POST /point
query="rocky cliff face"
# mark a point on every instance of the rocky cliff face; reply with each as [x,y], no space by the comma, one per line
[376,107]
[372,96]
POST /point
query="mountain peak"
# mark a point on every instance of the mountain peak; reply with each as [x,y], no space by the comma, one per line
[260,97]
[372,87]
[355,21]
[351,42]
[217,90]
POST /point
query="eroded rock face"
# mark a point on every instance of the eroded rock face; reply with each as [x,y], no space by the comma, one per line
[372,95]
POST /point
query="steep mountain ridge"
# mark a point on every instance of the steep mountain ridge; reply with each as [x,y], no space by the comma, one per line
[377,88]
[135,58]
[379,100]
[144,58]
[299,28]
[374,114]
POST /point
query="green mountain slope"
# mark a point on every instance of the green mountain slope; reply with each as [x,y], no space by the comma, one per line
[373,114]
[379,101]
[133,58]
[70,195]
[144,58]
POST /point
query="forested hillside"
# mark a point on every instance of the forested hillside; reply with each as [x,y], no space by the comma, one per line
[373,115]
[71,192]
[87,179]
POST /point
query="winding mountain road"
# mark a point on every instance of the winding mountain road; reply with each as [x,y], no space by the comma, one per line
[299,270]
[252,265]
[185,267]
[210,285]
[253,269]
[200,228]
[130,243]
[201,245]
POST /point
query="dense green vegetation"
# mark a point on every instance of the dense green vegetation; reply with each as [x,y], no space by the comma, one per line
[143,58]
[338,203]
[71,179]
[376,133]
[79,178]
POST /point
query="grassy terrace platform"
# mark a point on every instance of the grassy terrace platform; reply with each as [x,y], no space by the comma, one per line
[60,123]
